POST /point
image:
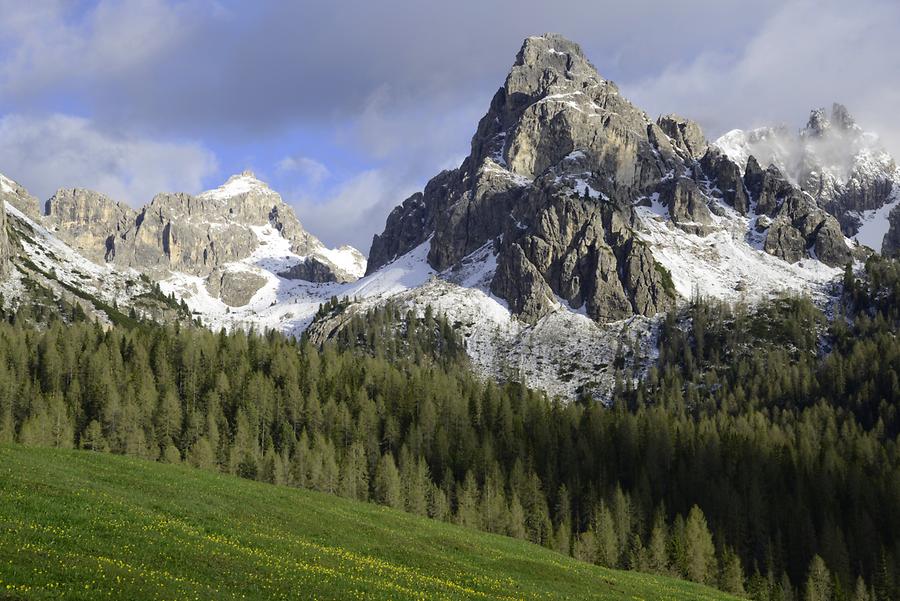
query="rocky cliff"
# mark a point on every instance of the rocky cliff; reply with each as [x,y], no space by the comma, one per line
[197,235]
[891,244]
[557,168]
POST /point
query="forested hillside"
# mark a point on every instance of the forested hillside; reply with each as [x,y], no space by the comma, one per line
[759,456]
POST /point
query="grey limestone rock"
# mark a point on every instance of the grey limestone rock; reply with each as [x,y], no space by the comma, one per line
[891,245]
[685,133]
[88,221]
[183,232]
[310,269]
[234,288]
[726,179]
[554,168]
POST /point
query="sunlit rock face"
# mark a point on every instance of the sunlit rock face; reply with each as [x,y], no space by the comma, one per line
[557,167]
[196,235]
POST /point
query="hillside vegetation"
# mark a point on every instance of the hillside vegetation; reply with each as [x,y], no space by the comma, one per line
[759,455]
[85,525]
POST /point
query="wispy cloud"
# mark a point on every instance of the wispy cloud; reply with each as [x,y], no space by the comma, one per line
[806,55]
[63,151]
[312,171]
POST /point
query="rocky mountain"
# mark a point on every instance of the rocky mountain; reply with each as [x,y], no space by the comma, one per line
[559,169]
[222,246]
[197,235]
[553,248]
[846,169]
[891,240]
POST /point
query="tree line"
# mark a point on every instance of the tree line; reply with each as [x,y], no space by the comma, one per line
[759,455]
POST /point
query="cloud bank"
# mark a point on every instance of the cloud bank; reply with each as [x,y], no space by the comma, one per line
[41,151]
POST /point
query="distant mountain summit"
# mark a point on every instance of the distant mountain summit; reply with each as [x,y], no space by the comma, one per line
[199,235]
[843,167]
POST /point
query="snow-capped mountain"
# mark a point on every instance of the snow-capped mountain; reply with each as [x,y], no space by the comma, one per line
[845,168]
[217,250]
[576,219]
[554,247]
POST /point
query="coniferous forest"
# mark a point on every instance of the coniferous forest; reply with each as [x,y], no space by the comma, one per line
[759,454]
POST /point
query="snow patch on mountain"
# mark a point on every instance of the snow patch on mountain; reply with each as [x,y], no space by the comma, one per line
[236,185]
[875,224]
[346,258]
[728,262]
[288,305]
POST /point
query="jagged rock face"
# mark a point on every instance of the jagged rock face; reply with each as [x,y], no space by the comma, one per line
[582,251]
[844,168]
[553,168]
[686,203]
[88,221]
[797,223]
[684,134]
[891,246]
[177,232]
[180,232]
[16,195]
[727,174]
[310,269]
[234,288]
[4,241]
[557,166]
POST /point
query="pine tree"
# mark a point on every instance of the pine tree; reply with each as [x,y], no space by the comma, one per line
[388,488]
[699,551]
[438,505]
[467,514]
[563,521]
[355,473]
[657,554]
[861,593]
[818,581]
[168,419]
[585,546]
[171,454]
[620,509]
[607,539]
[201,454]
[516,524]
[272,469]
[92,438]
[731,574]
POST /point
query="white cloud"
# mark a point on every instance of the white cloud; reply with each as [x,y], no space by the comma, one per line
[51,43]
[311,170]
[47,153]
[806,55]
[355,210]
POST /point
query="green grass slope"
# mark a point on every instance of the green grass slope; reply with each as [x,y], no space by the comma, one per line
[80,525]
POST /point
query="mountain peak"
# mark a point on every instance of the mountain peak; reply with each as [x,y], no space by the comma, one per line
[547,61]
[536,48]
[819,123]
[842,118]
[236,185]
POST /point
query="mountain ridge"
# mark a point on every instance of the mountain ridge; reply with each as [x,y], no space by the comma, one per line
[842,166]
[573,223]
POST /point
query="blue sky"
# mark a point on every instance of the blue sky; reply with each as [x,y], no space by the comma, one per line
[347,107]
